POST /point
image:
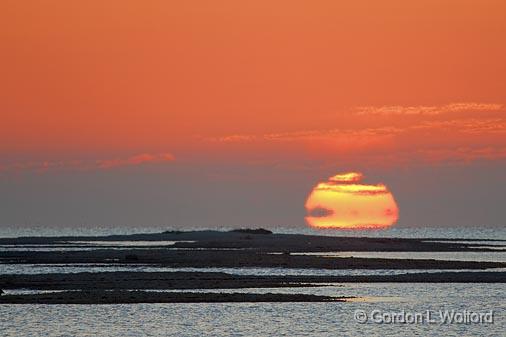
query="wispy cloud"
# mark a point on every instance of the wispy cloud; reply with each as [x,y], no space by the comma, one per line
[348,177]
[468,125]
[433,137]
[139,159]
[388,110]
[86,165]
[304,135]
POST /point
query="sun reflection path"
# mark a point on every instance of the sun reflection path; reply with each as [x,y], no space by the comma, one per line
[342,202]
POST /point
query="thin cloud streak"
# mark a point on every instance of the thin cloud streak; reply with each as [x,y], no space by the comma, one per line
[88,165]
[140,159]
[430,138]
[389,110]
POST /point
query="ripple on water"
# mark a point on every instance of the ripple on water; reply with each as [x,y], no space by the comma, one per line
[9,269]
[262,319]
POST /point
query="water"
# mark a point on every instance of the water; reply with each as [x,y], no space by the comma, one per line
[496,256]
[269,319]
[9,269]
[263,319]
[89,245]
[487,233]
[25,230]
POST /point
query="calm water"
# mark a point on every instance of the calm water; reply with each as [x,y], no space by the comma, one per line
[496,256]
[274,319]
[9,269]
[491,233]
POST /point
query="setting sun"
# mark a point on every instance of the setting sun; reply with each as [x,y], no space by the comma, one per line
[343,203]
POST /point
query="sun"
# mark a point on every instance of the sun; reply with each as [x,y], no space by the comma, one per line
[342,202]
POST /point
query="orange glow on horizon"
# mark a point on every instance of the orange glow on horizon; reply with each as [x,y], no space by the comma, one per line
[343,203]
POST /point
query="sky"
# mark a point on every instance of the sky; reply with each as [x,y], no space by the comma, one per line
[230,113]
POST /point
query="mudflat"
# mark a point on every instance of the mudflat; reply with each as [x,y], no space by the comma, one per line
[235,249]
[120,297]
[208,280]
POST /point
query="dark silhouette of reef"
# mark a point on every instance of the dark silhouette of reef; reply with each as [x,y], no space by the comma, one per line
[252,231]
[240,248]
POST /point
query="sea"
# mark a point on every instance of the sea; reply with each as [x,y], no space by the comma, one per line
[377,309]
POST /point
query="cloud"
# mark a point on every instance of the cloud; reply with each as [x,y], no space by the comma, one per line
[433,137]
[359,189]
[139,159]
[86,165]
[389,110]
[309,135]
[320,212]
[349,182]
[233,138]
[347,177]
[468,125]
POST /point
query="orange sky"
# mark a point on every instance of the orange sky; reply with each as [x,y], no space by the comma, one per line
[134,77]
[310,86]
